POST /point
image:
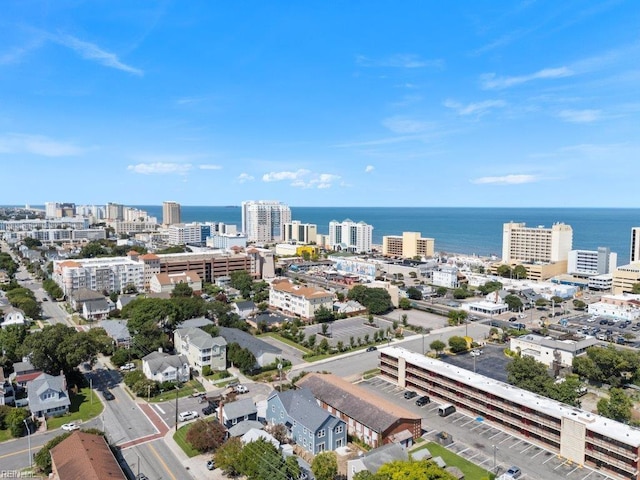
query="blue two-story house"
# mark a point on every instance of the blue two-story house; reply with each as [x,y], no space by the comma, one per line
[309,425]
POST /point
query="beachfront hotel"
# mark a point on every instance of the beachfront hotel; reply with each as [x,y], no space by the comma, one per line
[581,437]
[408,245]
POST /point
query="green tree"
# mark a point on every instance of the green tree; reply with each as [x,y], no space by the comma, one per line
[635,288]
[541,302]
[514,302]
[457,344]
[8,264]
[438,346]
[441,291]
[414,293]
[323,314]
[527,373]
[519,272]
[617,407]
[92,250]
[14,421]
[42,459]
[11,338]
[240,357]
[182,290]
[404,304]
[457,317]
[413,470]
[325,466]
[566,391]
[228,456]
[504,271]
[579,304]
[120,357]
[376,300]
[243,281]
[206,435]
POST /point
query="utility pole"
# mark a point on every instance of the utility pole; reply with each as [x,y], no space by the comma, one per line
[177,391]
[29,436]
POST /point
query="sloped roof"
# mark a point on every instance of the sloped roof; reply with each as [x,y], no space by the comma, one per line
[41,384]
[85,456]
[160,361]
[116,329]
[199,338]
[240,429]
[97,305]
[302,407]
[149,256]
[84,294]
[239,408]
[175,278]
[377,457]
[285,285]
[248,341]
[370,410]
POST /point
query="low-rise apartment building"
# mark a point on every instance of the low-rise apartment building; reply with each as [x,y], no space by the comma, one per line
[298,300]
[581,437]
[408,245]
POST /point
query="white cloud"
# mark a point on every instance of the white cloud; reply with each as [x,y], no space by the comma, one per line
[245,177]
[303,178]
[91,51]
[477,108]
[490,81]
[210,167]
[506,180]
[579,116]
[160,168]
[404,125]
[369,169]
[400,60]
[38,145]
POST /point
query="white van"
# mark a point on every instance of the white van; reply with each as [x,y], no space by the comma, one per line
[189,415]
[446,410]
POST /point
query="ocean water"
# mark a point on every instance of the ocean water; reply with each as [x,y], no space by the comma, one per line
[456,230]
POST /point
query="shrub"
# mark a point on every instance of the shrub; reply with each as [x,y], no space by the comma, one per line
[206,435]
[206,371]
[43,457]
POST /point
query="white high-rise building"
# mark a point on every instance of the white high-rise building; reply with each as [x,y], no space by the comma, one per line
[592,262]
[536,244]
[50,209]
[350,236]
[298,232]
[262,221]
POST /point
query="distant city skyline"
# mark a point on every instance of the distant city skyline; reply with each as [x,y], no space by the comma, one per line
[530,104]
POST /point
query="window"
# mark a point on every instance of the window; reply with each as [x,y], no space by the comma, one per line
[304,431]
[320,447]
[281,414]
[321,433]
[273,408]
[339,429]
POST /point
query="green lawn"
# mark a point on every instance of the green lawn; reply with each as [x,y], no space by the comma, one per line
[287,341]
[181,439]
[470,470]
[84,405]
[5,435]
[190,387]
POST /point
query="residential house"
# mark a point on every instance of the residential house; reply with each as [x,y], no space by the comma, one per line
[48,395]
[257,433]
[242,427]
[264,352]
[7,392]
[162,367]
[269,319]
[298,300]
[244,309]
[310,426]
[200,348]
[78,297]
[124,300]
[118,331]
[374,459]
[166,282]
[83,456]
[13,316]
[348,308]
[373,419]
[96,309]
[238,411]
[24,372]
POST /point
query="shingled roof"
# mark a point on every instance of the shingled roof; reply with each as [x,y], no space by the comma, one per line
[85,456]
[355,402]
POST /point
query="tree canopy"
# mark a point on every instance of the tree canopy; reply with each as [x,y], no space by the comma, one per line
[514,302]
[407,470]
[529,374]
[414,293]
[376,300]
[325,466]
[617,407]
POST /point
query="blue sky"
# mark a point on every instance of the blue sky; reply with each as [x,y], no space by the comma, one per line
[332,103]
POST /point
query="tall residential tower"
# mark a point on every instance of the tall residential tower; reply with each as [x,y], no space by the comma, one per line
[170,213]
[263,221]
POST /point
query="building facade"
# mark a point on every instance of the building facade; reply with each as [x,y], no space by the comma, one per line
[536,244]
[634,253]
[591,262]
[297,299]
[200,348]
[263,221]
[581,437]
[409,245]
[170,213]
[297,232]
[350,236]
[625,277]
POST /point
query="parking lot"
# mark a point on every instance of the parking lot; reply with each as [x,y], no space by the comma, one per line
[483,444]
[356,327]
[606,329]
[491,362]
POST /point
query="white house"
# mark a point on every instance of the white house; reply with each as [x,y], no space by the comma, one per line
[200,348]
[625,306]
[13,316]
[166,282]
[163,367]
[445,277]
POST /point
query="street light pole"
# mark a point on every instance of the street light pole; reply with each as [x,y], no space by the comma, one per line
[177,391]
[29,439]
[494,458]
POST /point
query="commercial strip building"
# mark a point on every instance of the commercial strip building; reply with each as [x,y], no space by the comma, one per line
[408,245]
[581,437]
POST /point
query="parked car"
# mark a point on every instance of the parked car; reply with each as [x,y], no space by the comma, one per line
[211,465]
[371,349]
[514,472]
[70,427]
[141,476]
[188,415]
[409,394]
[208,410]
[241,389]
[128,367]
[423,400]
[476,353]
